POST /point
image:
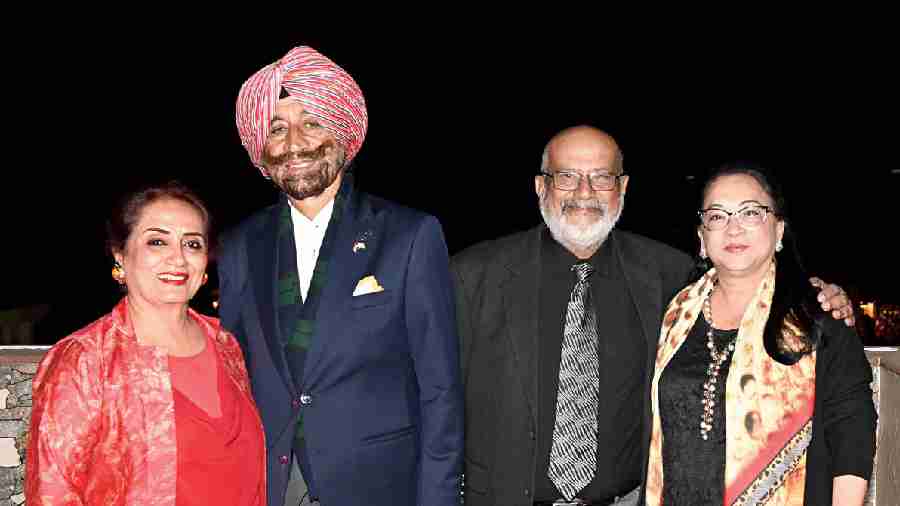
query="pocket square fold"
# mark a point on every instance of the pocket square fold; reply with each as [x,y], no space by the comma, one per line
[367,285]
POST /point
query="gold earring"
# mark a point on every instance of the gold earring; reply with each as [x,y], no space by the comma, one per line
[118,273]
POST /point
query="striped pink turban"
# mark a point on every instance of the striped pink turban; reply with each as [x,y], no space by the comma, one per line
[325,90]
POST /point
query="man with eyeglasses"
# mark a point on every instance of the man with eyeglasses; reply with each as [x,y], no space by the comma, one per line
[559,326]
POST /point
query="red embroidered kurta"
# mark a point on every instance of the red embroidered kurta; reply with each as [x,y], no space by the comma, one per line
[103,417]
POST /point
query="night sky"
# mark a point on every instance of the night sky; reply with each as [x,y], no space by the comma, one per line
[458,121]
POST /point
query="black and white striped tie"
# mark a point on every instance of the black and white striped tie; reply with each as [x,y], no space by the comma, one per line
[573,455]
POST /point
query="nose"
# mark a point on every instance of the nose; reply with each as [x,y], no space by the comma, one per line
[584,190]
[177,256]
[733,227]
[298,140]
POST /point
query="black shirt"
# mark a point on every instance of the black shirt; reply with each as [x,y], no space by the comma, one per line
[694,468]
[622,354]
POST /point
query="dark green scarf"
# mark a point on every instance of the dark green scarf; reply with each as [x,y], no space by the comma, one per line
[297,317]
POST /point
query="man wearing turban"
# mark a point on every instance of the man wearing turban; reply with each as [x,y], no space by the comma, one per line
[343,305]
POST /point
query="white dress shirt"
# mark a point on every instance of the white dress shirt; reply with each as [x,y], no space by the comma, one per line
[308,237]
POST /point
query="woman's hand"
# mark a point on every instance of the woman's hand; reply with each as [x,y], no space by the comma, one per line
[848,490]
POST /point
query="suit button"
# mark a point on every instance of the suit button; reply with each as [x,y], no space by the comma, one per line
[527,492]
[531,435]
[284,460]
[305,399]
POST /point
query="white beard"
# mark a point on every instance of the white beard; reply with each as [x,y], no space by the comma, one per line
[581,237]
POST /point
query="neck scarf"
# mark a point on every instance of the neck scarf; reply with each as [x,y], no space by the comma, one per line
[768,405]
[297,317]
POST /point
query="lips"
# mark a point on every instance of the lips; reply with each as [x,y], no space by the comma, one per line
[173,278]
[736,248]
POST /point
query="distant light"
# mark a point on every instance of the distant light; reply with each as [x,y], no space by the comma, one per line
[868,309]
[895,172]
[690,178]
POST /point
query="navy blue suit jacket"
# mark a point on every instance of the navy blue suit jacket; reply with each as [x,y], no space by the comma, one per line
[381,389]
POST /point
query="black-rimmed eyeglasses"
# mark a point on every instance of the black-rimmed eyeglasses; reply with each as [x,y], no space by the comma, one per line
[568,180]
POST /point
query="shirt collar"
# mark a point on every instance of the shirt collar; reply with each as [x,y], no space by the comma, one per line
[316,225]
[603,260]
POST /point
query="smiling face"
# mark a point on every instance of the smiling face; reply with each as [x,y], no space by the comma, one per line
[165,256]
[582,218]
[301,156]
[739,250]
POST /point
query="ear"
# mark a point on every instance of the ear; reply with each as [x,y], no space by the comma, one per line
[263,163]
[119,258]
[779,230]
[540,185]
[623,184]
[700,236]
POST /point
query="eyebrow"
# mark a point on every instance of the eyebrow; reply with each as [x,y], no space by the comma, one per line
[166,232]
[595,170]
[742,204]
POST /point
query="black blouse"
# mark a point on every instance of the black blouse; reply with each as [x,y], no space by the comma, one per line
[693,468]
[843,439]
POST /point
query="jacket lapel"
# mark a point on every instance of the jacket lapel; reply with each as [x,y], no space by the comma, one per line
[345,269]
[520,302]
[645,290]
[644,286]
[263,259]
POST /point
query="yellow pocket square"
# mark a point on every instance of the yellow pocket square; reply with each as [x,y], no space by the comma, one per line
[367,285]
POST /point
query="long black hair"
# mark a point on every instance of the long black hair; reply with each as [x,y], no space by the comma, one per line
[794,303]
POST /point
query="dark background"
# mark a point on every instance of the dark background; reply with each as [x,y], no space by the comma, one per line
[458,119]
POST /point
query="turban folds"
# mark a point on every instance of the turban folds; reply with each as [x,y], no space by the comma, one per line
[326,91]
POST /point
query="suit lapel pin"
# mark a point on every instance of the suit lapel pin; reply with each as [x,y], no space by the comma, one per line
[361,240]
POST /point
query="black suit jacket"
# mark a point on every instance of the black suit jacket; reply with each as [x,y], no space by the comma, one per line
[497,295]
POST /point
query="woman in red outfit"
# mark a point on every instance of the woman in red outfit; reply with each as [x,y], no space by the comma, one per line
[150,404]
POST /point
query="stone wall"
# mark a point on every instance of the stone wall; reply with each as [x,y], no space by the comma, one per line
[884,488]
[17,367]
